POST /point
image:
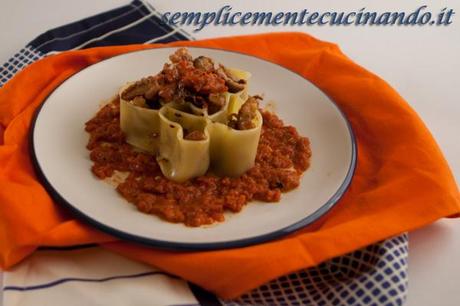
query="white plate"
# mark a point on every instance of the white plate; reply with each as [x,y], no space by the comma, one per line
[62,160]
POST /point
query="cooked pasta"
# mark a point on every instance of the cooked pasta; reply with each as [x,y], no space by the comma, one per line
[180,158]
[233,151]
[140,125]
[156,112]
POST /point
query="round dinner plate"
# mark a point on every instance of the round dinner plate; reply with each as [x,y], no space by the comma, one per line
[62,160]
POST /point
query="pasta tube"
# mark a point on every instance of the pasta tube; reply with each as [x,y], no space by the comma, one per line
[140,125]
[233,151]
[179,158]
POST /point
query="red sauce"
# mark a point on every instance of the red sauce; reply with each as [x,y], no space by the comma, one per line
[201,82]
[282,156]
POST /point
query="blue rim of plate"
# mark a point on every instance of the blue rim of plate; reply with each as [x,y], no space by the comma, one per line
[180,246]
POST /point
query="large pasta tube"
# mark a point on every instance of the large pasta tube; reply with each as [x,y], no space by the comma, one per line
[233,152]
[140,125]
[181,159]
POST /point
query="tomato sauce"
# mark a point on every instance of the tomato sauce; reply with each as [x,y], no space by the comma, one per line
[282,156]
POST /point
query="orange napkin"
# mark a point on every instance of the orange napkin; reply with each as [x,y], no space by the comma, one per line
[402,181]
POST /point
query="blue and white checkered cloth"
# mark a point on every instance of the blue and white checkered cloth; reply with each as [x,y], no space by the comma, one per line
[375,275]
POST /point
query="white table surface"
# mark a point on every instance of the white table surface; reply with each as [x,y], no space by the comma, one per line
[422,63]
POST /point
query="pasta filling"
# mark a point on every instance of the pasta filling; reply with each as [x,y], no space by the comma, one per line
[246,116]
[198,81]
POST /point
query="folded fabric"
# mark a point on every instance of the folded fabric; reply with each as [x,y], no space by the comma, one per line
[374,275]
[59,277]
[134,23]
[401,182]
[338,280]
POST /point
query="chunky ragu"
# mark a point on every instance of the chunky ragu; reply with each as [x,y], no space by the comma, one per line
[282,156]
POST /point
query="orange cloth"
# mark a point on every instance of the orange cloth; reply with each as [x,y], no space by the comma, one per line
[402,181]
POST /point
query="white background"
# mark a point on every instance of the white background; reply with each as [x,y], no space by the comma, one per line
[422,63]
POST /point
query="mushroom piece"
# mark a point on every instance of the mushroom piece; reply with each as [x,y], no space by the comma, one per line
[153,90]
[138,88]
[244,120]
[196,100]
[233,85]
[204,63]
